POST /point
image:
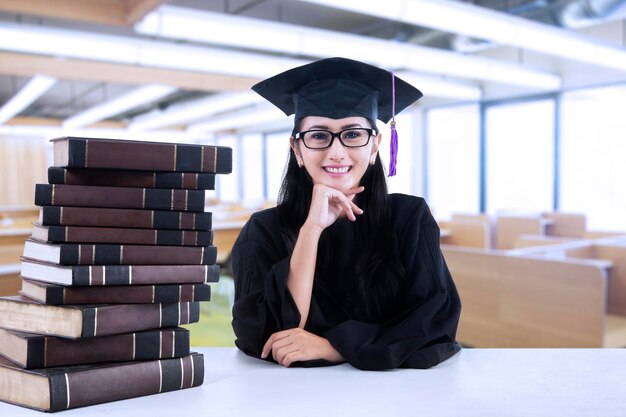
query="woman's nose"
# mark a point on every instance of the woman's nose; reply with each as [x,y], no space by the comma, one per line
[337,150]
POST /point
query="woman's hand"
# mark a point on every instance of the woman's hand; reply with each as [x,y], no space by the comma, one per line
[297,344]
[328,204]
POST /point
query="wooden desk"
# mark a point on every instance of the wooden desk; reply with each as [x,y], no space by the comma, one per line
[475,382]
[224,235]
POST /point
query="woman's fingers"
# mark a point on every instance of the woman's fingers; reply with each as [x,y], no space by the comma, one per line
[275,338]
[282,353]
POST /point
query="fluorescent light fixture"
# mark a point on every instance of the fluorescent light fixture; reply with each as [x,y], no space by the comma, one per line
[113,133]
[483,23]
[439,87]
[34,89]
[135,98]
[250,117]
[194,110]
[133,51]
[189,24]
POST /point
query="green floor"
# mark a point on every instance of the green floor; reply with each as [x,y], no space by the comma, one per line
[214,328]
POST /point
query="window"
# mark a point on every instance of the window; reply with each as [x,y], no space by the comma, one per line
[520,157]
[277,153]
[227,186]
[251,149]
[453,170]
[593,172]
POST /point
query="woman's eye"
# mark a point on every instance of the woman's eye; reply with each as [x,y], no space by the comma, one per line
[352,135]
[319,136]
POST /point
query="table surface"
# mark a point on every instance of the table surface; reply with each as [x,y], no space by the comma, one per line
[475,382]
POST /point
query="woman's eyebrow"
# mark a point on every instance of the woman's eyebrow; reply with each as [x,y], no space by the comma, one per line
[325,127]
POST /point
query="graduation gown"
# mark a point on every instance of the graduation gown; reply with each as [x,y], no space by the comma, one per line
[420,335]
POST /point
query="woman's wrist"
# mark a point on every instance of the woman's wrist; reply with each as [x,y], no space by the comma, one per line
[311,230]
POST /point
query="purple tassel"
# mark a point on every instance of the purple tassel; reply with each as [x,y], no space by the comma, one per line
[394,150]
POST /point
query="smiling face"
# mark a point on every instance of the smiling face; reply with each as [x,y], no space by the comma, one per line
[338,167]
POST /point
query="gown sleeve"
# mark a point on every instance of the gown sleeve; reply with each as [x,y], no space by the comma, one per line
[423,333]
[263,304]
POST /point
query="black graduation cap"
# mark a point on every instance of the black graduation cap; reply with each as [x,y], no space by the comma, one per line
[338,88]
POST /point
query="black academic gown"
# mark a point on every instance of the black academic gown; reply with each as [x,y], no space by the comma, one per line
[420,335]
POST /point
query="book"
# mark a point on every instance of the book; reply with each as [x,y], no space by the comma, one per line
[125,218]
[99,275]
[76,152]
[53,294]
[103,254]
[30,350]
[55,389]
[119,197]
[85,234]
[121,178]
[81,321]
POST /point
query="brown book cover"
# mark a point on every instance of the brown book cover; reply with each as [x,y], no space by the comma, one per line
[82,321]
[99,275]
[103,254]
[119,197]
[76,152]
[47,293]
[55,389]
[85,234]
[121,178]
[31,350]
[124,218]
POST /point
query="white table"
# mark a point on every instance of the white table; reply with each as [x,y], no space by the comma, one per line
[476,382]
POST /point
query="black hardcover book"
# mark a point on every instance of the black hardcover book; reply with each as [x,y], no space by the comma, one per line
[126,178]
[111,235]
[119,197]
[103,254]
[99,275]
[125,218]
[75,152]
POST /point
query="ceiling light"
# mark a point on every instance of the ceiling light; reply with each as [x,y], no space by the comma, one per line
[112,133]
[132,51]
[180,23]
[483,23]
[133,99]
[244,118]
[34,89]
[439,87]
[194,110]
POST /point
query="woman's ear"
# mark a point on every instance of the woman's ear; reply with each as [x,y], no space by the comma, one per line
[296,151]
[376,143]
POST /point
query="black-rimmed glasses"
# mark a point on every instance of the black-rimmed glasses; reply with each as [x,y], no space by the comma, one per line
[322,139]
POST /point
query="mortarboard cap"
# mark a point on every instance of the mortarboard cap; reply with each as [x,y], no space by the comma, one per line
[338,88]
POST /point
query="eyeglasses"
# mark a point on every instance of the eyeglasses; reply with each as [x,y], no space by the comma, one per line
[322,139]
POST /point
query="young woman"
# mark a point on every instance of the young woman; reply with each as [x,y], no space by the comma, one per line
[341,270]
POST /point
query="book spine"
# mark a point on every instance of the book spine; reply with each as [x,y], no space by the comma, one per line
[131,380]
[126,318]
[119,197]
[57,295]
[143,156]
[120,178]
[78,234]
[49,351]
[129,218]
[76,254]
[143,274]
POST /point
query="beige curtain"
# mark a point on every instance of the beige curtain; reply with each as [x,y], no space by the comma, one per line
[23,163]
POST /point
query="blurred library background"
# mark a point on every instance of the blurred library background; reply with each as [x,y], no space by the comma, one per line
[517,145]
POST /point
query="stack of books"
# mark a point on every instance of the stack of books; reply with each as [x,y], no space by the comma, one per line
[121,257]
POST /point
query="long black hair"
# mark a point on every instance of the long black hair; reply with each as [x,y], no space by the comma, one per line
[380,277]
